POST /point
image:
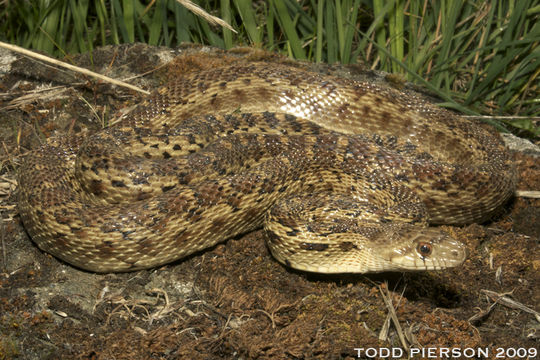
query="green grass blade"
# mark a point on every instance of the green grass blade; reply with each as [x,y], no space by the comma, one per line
[331,34]
[119,21]
[183,20]
[320,35]
[245,9]
[270,18]
[226,15]
[396,34]
[293,41]
[102,17]
[79,11]
[128,19]
[156,23]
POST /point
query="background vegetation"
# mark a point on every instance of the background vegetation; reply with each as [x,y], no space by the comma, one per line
[480,56]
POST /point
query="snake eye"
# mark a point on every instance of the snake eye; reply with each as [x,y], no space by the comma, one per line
[424,249]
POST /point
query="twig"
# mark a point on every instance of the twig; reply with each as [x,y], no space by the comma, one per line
[508,302]
[481,314]
[270,316]
[534,194]
[197,10]
[2,232]
[393,316]
[501,117]
[70,67]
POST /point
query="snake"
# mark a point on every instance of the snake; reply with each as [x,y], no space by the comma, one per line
[344,176]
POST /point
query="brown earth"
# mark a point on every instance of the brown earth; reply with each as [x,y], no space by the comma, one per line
[235,300]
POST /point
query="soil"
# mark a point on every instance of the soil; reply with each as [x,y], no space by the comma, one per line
[235,301]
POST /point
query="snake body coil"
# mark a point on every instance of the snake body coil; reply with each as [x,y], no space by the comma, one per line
[344,176]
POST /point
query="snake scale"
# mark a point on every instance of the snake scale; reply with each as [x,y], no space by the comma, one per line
[344,176]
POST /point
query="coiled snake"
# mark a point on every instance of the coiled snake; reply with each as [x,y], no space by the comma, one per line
[344,176]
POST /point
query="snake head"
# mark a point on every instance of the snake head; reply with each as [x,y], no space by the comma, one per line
[423,249]
[367,249]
